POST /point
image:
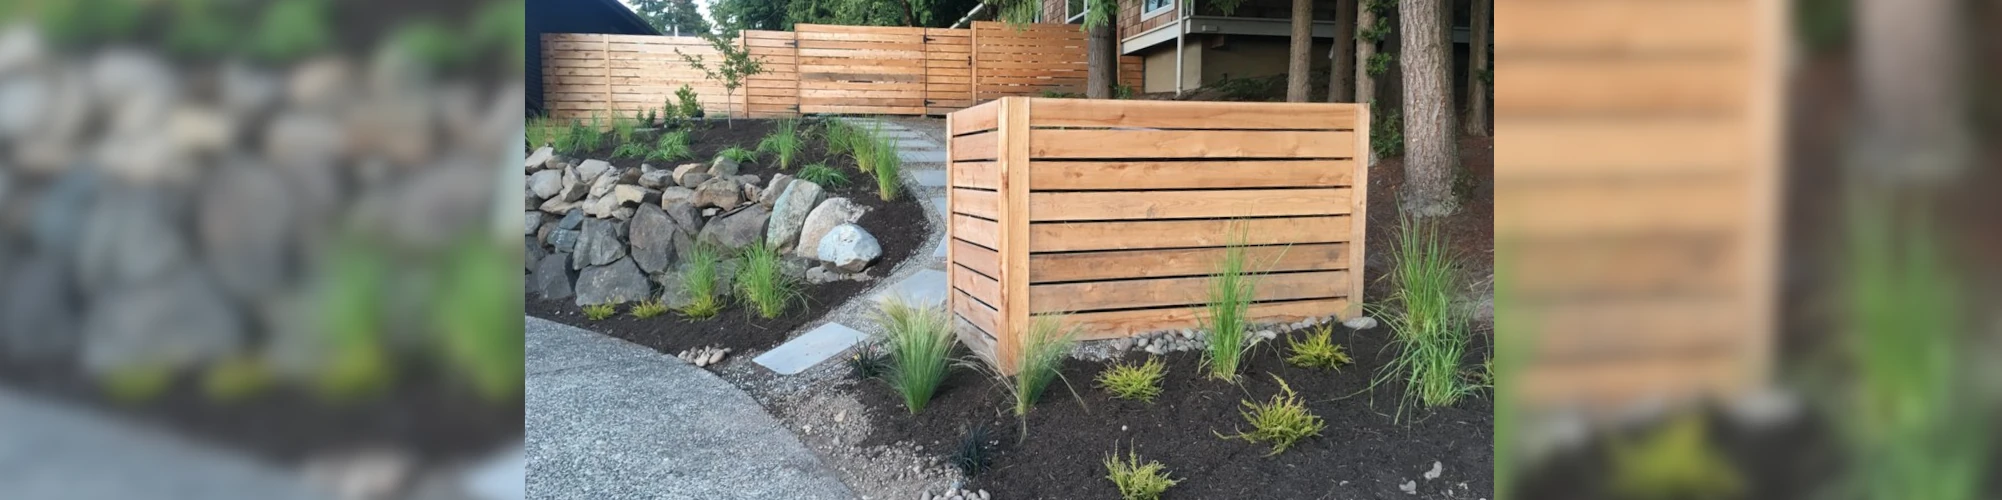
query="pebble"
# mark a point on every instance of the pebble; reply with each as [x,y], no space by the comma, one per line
[1360,323]
[1437,468]
[1409,487]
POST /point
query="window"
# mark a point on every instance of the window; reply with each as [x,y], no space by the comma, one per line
[1074,11]
[1152,7]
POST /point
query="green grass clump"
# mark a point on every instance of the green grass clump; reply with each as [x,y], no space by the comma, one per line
[1318,351]
[784,143]
[919,340]
[1231,288]
[1137,480]
[1674,462]
[623,128]
[595,312]
[582,138]
[839,137]
[886,168]
[762,281]
[1282,421]
[1141,382]
[630,150]
[648,309]
[671,146]
[1429,334]
[1042,352]
[741,155]
[543,131]
[289,30]
[699,280]
[820,173]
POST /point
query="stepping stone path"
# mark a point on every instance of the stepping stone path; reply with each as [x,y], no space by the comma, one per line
[924,178]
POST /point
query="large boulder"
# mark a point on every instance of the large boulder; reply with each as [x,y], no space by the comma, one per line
[591,170]
[736,230]
[603,185]
[723,167]
[599,244]
[538,158]
[770,195]
[545,183]
[551,279]
[849,248]
[720,193]
[575,187]
[619,282]
[789,213]
[823,218]
[652,234]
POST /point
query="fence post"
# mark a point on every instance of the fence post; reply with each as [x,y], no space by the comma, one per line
[1358,208]
[973,64]
[1013,127]
[605,53]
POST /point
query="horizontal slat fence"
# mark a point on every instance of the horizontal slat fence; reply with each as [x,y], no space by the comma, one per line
[822,69]
[1114,212]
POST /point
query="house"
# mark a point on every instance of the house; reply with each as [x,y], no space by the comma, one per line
[1254,41]
[572,16]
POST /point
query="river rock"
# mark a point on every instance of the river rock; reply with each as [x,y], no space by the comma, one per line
[789,213]
[848,247]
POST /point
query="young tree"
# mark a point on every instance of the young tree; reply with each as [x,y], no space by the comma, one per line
[1478,72]
[1300,55]
[1431,152]
[1342,55]
[734,66]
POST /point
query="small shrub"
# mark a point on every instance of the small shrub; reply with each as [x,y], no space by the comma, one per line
[1386,136]
[868,362]
[1224,315]
[1141,382]
[699,280]
[1674,462]
[820,173]
[974,453]
[648,309]
[920,340]
[652,117]
[1318,351]
[595,312]
[741,155]
[1137,480]
[1282,422]
[783,143]
[1043,350]
[762,281]
[671,146]
[686,104]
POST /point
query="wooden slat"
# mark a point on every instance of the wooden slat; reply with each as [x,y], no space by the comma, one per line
[1013,138]
[1087,266]
[1191,144]
[1620,146]
[978,231]
[1697,203]
[974,119]
[1132,235]
[980,315]
[1547,86]
[980,146]
[1116,324]
[1124,175]
[1359,230]
[1623,27]
[1127,205]
[984,204]
[977,174]
[979,286]
[1193,115]
[975,257]
[1164,292]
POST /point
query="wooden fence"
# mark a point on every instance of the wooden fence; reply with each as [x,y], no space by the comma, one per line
[822,69]
[1112,212]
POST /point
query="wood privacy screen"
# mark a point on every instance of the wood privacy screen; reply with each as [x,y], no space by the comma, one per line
[1637,197]
[1113,212]
[822,69]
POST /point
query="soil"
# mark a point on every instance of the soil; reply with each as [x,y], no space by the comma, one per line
[900,226]
[1365,451]
[424,413]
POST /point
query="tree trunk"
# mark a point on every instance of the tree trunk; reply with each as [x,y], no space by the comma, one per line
[1431,153]
[1477,67]
[1101,65]
[1365,49]
[1300,58]
[1342,55]
[1913,92]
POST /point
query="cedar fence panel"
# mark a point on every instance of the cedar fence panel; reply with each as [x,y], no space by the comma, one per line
[821,69]
[1114,212]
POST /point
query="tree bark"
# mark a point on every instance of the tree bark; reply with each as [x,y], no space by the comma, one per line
[1342,55]
[1431,152]
[1101,64]
[1300,58]
[1365,49]
[1913,90]
[1477,67]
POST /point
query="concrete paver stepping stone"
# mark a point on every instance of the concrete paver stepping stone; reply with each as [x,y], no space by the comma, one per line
[929,178]
[921,155]
[810,349]
[926,287]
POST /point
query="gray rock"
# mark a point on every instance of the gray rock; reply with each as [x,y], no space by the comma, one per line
[592,170]
[770,195]
[531,253]
[129,236]
[723,167]
[551,279]
[246,222]
[620,196]
[823,218]
[531,222]
[735,230]
[694,179]
[789,214]
[572,220]
[539,158]
[603,185]
[711,211]
[681,172]
[574,187]
[546,183]
[652,235]
[39,311]
[1360,323]
[848,247]
[657,179]
[618,282]
[672,194]
[685,215]
[627,175]
[599,244]
[246,89]
[748,179]
[719,193]
[564,240]
[178,321]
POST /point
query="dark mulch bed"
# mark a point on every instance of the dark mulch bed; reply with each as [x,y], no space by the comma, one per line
[1363,453]
[424,413]
[900,227]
